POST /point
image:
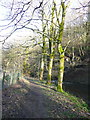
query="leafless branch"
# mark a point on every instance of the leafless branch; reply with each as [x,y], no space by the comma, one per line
[17,18]
[37,7]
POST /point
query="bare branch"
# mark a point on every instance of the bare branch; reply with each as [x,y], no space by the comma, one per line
[37,7]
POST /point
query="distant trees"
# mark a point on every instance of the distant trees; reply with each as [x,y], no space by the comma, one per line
[53,39]
[12,64]
[54,26]
[88,25]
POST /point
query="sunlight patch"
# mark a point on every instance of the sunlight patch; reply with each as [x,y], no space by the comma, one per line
[26,82]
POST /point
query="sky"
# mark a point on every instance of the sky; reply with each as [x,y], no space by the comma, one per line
[18,35]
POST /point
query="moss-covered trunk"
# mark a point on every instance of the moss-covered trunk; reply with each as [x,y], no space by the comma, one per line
[61,72]
[50,69]
[60,47]
[51,57]
[51,45]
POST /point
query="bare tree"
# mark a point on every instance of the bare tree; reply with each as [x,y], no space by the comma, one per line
[21,15]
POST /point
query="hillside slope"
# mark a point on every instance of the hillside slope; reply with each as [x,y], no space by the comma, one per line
[32,99]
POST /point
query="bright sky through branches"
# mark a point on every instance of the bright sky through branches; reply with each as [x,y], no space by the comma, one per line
[4,12]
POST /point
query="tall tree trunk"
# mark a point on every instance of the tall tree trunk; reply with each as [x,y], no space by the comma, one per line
[73,56]
[43,47]
[43,57]
[60,49]
[42,68]
[61,73]
[51,45]
[50,69]
[51,57]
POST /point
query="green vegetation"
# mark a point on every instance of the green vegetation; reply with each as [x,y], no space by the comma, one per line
[53,51]
[79,103]
[59,105]
[57,48]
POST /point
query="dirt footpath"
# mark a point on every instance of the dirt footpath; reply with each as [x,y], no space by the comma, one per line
[24,102]
[28,99]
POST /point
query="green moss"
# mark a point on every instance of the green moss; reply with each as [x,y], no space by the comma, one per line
[62,68]
[59,89]
[49,78]
[70,115]
[48,82]
[79,103]
[60,49]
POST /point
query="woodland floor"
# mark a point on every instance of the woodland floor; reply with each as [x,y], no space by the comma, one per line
[29,99]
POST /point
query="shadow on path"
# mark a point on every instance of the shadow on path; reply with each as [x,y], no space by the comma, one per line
[28,100]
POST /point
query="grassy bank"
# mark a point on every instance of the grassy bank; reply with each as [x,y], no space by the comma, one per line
[74,106]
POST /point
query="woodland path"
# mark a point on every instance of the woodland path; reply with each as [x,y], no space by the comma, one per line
[28,99]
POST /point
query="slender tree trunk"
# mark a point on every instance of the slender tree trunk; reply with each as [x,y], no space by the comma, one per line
[60,49]
[44,46]
[73,57]
[51,57]
[50,69]
[51,44]
[43,58]
[61,73]
[42,68]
